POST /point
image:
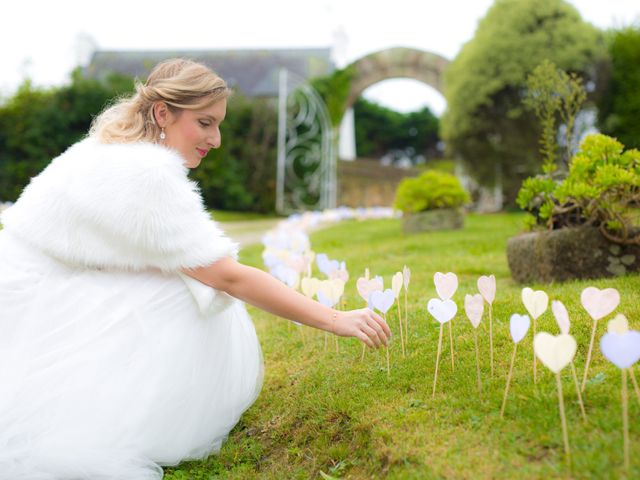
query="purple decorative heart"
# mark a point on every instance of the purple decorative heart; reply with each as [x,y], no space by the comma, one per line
[325,265]
[382,301]
[324,300]
[519,326]
[621,350]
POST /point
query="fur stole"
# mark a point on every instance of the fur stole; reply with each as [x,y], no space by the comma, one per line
[123,206]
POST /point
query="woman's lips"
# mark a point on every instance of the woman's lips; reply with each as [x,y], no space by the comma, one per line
[202,152]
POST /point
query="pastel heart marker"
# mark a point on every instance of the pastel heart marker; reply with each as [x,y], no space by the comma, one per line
[325,265]
[536,302]
[474,307]
[619,325]
[561,315]
[446,284]
[366,287]
[519,326]
[340,275]
[382,301]
[442,310]
[324,300]
[621,350]
[396,284]
[487,287]
[406,277]
[599,303]
[555,352]
[332,289]
[309,286]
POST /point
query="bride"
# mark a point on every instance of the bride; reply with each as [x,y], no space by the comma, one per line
[124,340]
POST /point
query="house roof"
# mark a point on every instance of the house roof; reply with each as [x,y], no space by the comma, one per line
[252,72]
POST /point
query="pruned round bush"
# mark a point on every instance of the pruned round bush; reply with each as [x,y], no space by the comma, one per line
[429,191]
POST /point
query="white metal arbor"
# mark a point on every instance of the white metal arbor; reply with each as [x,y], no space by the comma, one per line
[306,177]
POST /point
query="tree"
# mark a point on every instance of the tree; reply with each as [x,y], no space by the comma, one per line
[486,124]
[619,108]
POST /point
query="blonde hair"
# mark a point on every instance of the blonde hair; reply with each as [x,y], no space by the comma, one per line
[181,84]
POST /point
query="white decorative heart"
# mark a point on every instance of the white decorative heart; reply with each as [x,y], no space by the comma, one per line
[310,286]
[396,283]
[599,303]
[519,326]
[561,315]
[446,284]
[442,310]
[474,307]
[406,277]
[487,288]
[536,302]
[621,350]
[554,352]
[366,287]
[619,325]
[382,301]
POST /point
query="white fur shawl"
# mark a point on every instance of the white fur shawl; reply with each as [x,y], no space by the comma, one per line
[125,206]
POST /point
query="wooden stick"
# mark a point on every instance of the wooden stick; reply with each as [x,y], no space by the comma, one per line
[563,418]
[491,335]
[535,360]
[453,366]
[384,317]
[586,367]
[435,378]
[475,338]
[406,320]
[506,390]
[625,418]
[364,348]
[575,380]
[635,384]
[401,336]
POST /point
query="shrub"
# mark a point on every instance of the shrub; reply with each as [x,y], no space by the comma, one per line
[602,189]
[431,190]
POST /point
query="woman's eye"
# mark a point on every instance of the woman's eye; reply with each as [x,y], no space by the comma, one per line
[204,124]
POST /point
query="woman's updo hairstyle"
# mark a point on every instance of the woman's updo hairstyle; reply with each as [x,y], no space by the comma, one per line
[181,84]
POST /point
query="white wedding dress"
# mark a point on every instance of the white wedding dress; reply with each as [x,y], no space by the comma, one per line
[107,373]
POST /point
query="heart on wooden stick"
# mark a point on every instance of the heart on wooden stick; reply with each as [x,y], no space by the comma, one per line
[561,315]
[487,287]
[396,283]
[442,310]
[623,350]
[536,302]
[406,277]
[382,301]
[599,303]
[365,287]
[474,307]
[555,352]
[519,326]
[619,325]
[309,286]
[446,284]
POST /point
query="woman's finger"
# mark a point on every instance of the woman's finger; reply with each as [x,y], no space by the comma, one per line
[382,336]
[382,323]
[365,339]
[372,334]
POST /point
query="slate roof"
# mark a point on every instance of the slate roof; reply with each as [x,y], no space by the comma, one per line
[252,72]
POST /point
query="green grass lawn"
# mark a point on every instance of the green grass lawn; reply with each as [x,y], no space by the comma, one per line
[326,413]
[226,216]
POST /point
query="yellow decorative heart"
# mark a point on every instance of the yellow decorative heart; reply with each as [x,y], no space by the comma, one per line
[554,352]
[396,284]
[619,325]
[309,286]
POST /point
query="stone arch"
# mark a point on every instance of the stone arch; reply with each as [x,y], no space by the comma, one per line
[399,62]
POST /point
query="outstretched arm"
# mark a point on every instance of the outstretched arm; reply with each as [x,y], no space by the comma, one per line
[262,290]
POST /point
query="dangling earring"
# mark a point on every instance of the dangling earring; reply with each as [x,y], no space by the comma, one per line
[162,134]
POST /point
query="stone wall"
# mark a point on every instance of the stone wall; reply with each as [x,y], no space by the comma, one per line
[367,183]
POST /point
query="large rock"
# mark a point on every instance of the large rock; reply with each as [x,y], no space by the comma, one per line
[569,253]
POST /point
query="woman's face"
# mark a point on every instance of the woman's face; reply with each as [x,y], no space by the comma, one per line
[193,132]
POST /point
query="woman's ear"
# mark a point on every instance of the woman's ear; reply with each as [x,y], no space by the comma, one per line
[161,114]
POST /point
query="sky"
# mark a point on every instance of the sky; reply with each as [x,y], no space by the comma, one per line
[43,40]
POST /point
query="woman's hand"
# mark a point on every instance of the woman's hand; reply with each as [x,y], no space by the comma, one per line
[364,324]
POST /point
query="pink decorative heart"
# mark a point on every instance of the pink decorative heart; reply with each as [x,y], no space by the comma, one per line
[474,307]
[487,288]
[599,303]
[446,284]
[366,287]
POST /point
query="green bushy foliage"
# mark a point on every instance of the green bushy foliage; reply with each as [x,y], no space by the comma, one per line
[602,189]
[430,190]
